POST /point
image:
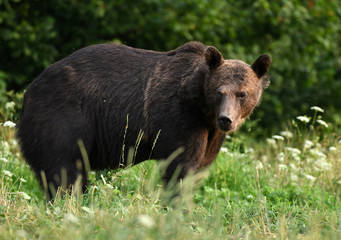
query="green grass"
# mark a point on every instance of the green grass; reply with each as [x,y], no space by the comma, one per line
[283,187]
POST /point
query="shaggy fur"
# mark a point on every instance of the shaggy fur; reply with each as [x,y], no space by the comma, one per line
[114,97]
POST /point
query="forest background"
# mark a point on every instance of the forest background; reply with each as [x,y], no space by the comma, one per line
[302,37]
[277,178]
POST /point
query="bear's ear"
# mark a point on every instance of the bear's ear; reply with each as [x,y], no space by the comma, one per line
[262,65]
[213,57]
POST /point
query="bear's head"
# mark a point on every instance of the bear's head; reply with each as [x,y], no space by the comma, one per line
[233,88]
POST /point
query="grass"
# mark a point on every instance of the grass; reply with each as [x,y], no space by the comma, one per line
[287,186]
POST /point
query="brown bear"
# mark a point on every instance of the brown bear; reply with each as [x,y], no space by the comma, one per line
[114,97]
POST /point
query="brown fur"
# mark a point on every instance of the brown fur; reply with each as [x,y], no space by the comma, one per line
[189,97]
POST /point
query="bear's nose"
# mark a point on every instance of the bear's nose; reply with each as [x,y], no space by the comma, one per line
[224,121]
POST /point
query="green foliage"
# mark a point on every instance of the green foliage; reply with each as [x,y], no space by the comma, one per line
[303,38]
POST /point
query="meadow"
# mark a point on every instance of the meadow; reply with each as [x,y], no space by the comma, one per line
[284,186]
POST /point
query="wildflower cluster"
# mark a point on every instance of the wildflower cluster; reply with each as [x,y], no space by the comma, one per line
[9,156]
[302,158]
[316,119]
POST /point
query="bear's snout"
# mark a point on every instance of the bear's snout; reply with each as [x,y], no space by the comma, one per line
[224,122]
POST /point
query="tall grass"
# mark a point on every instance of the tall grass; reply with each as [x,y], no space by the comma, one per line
[286,186]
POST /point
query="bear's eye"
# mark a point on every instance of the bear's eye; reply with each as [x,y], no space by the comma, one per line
[241,95]
[218,96]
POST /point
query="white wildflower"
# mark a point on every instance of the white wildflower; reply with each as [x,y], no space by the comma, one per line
[322,165]
[294,153]
[250,196]
[323,123]
[332,149]
[14,142]
[277,137]
[22,180]
[293,167]
[304,119]
[3,160]
[317,109]
[286,134]
[280,157]
[309,177]
[250,150]
[282,166]
[308,144]
[293,177]
[259,165]
[6,146]
[7,173]
[321,155]
[10,105]
[145,221]
[71,218]
[271,141]
[224,150]
[317,153]
[293,150]
[9,124]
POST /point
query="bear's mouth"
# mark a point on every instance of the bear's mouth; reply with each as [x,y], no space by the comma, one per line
[225,128]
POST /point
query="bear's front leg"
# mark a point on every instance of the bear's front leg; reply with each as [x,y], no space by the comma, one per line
[188,158]
[199,152]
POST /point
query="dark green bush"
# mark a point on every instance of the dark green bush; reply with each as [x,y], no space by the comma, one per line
[303,38]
